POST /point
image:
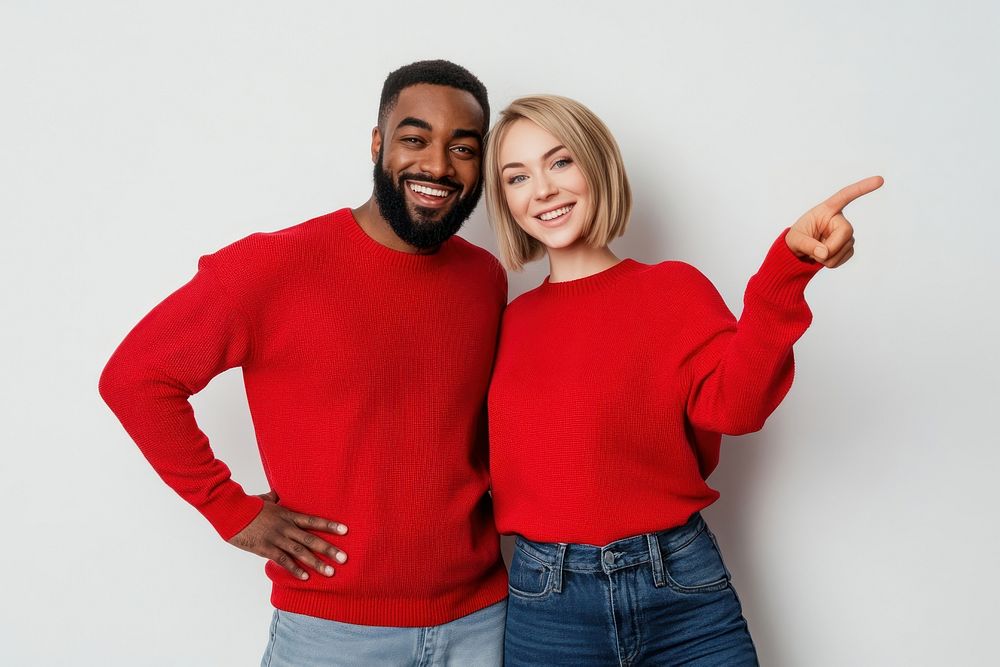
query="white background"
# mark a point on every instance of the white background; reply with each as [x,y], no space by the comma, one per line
[135,137]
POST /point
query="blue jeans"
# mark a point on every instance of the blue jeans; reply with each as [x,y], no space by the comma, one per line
[304,641]
[656,599]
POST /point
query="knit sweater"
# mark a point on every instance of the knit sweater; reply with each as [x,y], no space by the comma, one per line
[610,393]
[366,372]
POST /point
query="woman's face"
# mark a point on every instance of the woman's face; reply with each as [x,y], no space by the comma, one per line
[544,187]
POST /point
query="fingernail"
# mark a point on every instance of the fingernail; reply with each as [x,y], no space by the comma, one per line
[821,252]
[341,529]
[328,571]
[304,576]
[341,557]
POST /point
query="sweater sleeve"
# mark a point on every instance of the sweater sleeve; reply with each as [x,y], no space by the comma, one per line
[741,371]
[196,333]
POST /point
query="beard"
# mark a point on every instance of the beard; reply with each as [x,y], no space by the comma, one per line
[421,230]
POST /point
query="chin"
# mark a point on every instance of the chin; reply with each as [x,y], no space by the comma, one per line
[559,241]
[417,215]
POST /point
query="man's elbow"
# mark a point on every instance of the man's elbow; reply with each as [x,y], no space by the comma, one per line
[117,384]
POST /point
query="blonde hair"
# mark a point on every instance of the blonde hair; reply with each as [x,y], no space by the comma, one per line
[595,152]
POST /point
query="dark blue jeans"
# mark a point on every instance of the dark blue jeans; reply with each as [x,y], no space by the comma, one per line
[656,599]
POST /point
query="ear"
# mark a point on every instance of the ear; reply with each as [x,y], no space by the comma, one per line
[376,143]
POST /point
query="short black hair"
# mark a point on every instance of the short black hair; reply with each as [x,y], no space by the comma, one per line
[437,72]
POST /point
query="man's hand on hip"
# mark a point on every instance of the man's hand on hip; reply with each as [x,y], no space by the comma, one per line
[280,534]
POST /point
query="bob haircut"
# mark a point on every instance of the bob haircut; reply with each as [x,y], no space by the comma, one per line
[596,153]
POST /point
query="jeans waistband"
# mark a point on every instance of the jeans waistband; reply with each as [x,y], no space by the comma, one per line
[627,552]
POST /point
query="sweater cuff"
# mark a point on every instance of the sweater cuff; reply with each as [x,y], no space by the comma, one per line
[782,277]
[230,509]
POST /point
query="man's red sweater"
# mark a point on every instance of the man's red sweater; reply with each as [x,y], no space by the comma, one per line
[366,371]
[610,392]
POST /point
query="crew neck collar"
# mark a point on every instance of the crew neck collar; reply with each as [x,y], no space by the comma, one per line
[593,282]
[373,248]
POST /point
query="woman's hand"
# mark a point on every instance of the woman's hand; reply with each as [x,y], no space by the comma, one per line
[823,233]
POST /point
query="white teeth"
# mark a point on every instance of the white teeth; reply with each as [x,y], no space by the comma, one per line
[424,190]
[554,214]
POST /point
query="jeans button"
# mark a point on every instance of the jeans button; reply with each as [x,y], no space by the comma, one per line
[609,559]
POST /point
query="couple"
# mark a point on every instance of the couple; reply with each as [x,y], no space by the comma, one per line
[369,340]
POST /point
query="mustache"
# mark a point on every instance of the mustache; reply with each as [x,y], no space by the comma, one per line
[427,178]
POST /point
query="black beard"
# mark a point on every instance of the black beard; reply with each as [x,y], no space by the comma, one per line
[425,232]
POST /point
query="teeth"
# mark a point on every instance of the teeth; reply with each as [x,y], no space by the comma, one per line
[424,190]
[554,214]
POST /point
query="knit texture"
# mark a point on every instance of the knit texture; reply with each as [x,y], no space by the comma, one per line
[610,393]
[366,371]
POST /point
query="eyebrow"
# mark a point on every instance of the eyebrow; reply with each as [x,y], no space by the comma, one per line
[414,122]
[460,133]
[468,134]
[548,153]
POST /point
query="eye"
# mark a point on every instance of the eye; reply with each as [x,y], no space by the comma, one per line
[514,180]
[562,162]
[464,151]
[413,141]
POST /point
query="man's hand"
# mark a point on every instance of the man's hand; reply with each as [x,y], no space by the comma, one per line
[279,534]
[823,233]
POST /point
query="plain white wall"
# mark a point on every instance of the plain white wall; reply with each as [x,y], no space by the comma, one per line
[137,136]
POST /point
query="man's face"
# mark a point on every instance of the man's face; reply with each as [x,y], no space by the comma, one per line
[427,160]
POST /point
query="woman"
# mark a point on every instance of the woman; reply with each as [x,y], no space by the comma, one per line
[613,382]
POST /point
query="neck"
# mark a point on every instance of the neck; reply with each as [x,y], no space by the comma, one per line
[378,228]
[579,261]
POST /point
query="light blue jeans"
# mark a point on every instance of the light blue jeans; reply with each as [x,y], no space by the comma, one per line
[304,641]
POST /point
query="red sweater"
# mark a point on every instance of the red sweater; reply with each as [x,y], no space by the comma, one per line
[610,392]
[366,371]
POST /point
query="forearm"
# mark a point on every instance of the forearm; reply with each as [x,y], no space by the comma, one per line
[742,374]
[171,354]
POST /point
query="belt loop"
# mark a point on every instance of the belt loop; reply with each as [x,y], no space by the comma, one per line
[557,568]
[656,560]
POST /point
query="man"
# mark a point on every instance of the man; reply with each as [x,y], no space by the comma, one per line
[366,340]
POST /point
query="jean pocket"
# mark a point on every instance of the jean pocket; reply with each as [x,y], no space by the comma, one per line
[528,577]
[697,566]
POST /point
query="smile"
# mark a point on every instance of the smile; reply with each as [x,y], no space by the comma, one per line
[427,190]
[429,197]
[549,216]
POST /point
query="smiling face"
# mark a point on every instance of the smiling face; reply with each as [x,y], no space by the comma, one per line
[545,189]
[427,158]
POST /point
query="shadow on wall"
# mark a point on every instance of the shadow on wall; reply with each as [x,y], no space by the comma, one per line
[649,226]
[741,469]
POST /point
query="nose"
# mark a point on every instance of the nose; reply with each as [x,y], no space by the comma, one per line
[437,163]
[544,188]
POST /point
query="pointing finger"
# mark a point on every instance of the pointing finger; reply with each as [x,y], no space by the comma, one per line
[846,195]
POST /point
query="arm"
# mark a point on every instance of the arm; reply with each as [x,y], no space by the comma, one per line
[744,369]
[196,333]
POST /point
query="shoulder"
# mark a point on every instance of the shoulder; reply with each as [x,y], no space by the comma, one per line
[269,247]
[677,270]
[682,278]
[257,263]
[680,292]
[473,254]
[263,254]
[473,260]
[523,301]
